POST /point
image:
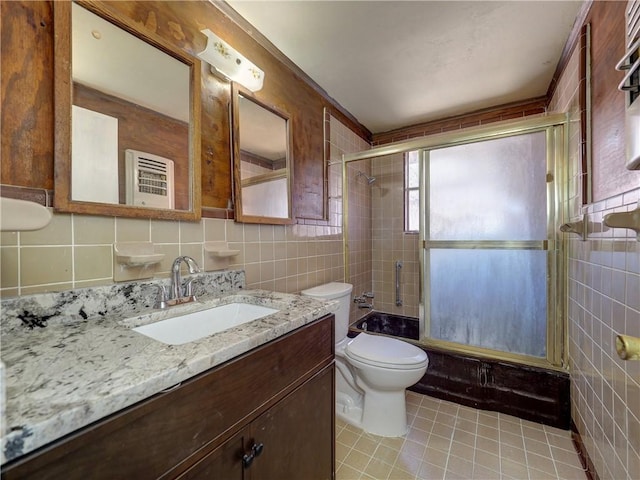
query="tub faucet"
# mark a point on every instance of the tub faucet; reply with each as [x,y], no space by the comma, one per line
[361,300]
[178,293]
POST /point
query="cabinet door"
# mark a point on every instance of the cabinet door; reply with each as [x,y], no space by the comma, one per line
[297,434]
[224,463]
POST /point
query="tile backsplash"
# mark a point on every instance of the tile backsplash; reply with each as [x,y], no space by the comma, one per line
[75,251]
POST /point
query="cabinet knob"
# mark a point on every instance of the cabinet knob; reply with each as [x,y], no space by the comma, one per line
[256,451]
[247,460]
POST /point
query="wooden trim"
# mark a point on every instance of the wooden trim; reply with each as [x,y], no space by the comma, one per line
[457,122]
[569,46]
[585,460]
[37,195]
[240,216]
[221,213]
[63,99]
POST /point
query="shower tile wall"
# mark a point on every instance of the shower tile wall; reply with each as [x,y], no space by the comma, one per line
[390,243]
[75,251]
[603,300]
[342,140]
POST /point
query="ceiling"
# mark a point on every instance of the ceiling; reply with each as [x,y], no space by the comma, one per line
[392,64]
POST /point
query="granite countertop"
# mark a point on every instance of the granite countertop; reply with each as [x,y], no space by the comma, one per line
[69,374]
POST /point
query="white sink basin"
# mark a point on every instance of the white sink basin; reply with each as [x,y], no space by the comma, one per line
[193,326]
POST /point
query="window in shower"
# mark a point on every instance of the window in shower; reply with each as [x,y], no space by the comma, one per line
[487,265]
[412,191]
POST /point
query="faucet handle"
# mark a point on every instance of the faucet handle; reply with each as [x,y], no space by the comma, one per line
[161,297]
[368,295]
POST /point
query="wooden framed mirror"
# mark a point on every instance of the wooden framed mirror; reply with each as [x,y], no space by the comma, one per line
[127,118]
[261,160]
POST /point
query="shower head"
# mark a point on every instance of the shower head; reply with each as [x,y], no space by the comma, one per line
[370,180]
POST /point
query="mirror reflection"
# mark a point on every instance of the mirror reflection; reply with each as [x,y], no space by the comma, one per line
[130,119]
[262,193]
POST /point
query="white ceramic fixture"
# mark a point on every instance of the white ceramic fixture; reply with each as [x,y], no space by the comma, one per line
[22,215]
[194,326]
[373,371]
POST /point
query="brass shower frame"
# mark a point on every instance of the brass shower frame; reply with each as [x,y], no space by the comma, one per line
[555,126]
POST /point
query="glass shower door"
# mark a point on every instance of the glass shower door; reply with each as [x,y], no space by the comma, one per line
[485,230]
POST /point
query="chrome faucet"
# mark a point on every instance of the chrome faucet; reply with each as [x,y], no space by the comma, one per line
[361,300]
[178,293]
[176,283]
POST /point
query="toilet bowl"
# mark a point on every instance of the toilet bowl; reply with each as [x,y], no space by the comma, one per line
[372,371]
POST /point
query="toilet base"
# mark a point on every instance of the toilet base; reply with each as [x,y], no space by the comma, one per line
[385,413]
[349,411]
[391,423]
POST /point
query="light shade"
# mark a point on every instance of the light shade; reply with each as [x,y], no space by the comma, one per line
[230,63]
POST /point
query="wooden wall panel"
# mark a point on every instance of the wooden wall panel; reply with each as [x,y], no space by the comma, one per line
[26,89]
[610,176]
[27,97]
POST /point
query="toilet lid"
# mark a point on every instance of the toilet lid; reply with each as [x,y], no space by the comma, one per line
[385,351]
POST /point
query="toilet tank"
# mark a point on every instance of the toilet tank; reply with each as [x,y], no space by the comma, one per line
[335,291]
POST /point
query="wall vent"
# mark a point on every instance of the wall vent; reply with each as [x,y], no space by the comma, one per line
[149,180]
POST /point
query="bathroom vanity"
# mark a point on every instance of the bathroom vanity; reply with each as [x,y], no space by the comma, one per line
[267,414]
[262,408]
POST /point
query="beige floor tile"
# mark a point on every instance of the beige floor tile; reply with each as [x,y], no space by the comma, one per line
[436,442]
[488,432]
[436,457]
[488,445]
[484,473]
[345,472]
[366,445]
[513,469]
[348,437]
[418,436]
[377,468]
[564,456]
[414,449]
[430,472]
[534,433]
[442,430]
[460,466]
[448,407]
[569,472]
[408,462]
[513,453]
[399,474]
[357,460]
[511,439]
[389,455]
[448,441]
[539,448]
[544,464]
[462,450]
[464,436]
[466,425]
[341,451]
[424,424]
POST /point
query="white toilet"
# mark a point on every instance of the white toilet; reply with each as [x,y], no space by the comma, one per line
[373,371]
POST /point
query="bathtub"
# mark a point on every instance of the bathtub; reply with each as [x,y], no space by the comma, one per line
[389,324]
[532,393]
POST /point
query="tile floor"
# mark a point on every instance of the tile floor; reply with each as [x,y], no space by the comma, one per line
[450,441]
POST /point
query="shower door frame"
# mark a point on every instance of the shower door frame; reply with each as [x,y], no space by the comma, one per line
[555,126]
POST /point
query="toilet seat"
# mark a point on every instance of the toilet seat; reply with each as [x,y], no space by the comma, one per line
[385,352]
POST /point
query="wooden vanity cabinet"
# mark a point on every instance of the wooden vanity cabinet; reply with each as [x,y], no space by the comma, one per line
[267,414]
[291,440]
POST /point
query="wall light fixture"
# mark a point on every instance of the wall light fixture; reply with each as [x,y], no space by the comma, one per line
[230,63]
